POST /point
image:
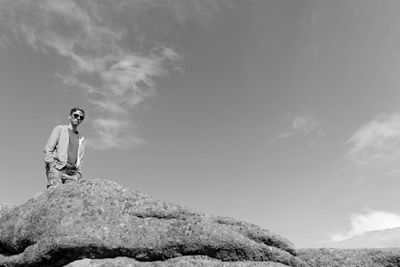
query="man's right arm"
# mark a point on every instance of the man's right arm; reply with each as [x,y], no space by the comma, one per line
[51,145]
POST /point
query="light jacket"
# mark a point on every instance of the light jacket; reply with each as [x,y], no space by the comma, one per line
[56,148]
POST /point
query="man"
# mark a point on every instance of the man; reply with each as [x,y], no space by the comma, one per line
[64,151]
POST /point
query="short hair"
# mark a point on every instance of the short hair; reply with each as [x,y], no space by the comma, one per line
[75,109]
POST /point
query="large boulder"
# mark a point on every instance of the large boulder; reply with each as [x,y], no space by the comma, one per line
[184,261]
[4,208]
[101,219]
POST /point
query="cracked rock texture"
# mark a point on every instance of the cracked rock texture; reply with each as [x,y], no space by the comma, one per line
[102,220]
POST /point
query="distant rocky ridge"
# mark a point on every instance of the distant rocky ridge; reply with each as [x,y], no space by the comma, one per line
[331,257]
[97,219]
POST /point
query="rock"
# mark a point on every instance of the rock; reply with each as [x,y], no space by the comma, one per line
[101,219]
[184,261]
[4,208]
[331,257]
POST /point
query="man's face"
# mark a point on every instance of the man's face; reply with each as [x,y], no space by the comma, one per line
[76,117]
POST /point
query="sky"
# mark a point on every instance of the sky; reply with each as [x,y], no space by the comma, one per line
[280,113]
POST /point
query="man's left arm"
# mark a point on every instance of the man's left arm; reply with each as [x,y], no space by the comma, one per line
[81,153]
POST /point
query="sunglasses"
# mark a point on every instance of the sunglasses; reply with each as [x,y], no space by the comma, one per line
[77,116]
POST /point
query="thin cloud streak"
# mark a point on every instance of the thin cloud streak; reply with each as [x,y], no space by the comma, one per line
[95,40]
[114,133]
[304,124]
[376,142]
[371,220]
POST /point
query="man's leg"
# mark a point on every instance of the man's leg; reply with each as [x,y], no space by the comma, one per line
[68,178]
[53,176]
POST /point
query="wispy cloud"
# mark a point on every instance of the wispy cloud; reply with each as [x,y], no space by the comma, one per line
[106,49]
[114,133]
[377,141]
[393,173]
[304,124]
[194,10]
[371,220]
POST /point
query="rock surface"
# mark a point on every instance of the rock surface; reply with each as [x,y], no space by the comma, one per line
[4,208]
[184,261]
[99,219]
[331,257]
